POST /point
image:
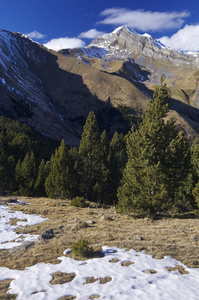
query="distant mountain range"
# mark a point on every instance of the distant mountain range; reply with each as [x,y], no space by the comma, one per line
[54,91]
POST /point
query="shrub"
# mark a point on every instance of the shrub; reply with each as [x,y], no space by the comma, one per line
[78,202]
[82,248]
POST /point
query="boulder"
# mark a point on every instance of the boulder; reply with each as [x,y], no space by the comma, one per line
[24,246]
[46,235]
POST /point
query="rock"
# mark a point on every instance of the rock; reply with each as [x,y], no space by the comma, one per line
[90,222]
[12,200]
[47,235]
[24,246]
[106,218]
[195,238]
[139,238]
[81,225]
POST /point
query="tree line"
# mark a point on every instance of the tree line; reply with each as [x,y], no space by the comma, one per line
[154,168]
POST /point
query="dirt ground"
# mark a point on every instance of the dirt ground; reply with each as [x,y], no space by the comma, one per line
[177,237]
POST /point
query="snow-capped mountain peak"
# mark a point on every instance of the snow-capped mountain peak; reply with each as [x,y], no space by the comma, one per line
[124,27]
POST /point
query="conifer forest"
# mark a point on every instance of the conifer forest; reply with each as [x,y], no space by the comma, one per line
[154,168]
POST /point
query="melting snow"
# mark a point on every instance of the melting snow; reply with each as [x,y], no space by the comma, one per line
[7,231]
[145,278]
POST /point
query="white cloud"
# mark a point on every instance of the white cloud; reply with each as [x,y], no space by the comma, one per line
[35,35]
[64,43]
[144,20]
[185,39]
[90,34]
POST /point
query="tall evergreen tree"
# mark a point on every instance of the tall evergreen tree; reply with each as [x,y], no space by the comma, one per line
[105,177]
[7,163]
[26,175]
[157,160]
[61,181]
[194,175]
[117,162]
[91,161]
[43,172]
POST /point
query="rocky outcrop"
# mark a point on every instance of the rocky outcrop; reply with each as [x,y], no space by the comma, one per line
[124,42]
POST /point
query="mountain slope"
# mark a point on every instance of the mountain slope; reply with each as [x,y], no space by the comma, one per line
[142,60]
[54,93]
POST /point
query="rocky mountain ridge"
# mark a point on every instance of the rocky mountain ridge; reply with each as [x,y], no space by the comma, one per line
[124,43]
[54,92]
[142,60]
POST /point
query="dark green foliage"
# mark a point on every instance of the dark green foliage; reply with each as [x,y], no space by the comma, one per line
[128,116]
[79,202]
[20,139]
[117,162]
[26,175]
[104,183]
[155,167]
[43,173]
[158,163]
[61,182]
[82,248]
[194,175]
[91,161]
[7,164]
[16,141]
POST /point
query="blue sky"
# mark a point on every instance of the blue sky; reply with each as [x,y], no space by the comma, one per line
[63,24]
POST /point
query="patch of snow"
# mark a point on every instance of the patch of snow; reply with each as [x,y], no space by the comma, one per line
[119,29]
[92,51]
[127,283]
[7,231]
[191,53]
[67,251]
[3,81]
[147,35]
[146,94]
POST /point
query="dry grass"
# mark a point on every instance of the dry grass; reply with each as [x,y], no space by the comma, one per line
[178,268]
[94,296]
[90,280]
[168,236]
[127,263]
[177,237]
[102,280]
[114,260]
[68,298]
[151,271]
[105,280]
[14,221]
[61,278]
[4,286]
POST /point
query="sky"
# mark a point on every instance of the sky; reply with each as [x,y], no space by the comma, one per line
[144,278]
[68,24]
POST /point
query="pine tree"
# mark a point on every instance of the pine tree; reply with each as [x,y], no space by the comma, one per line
[61,182]
[26,175]
[194,174]
[104,183]
[43,172]
[89,160]
[117,162]
[157,160]
[7,163]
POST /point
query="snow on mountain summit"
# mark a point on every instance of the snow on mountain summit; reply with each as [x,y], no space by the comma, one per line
[124,41]
[119,29]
